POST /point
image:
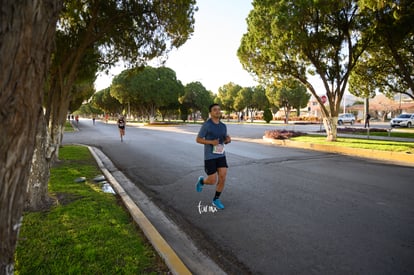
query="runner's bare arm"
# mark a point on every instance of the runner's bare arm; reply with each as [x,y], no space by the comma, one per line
[205,141]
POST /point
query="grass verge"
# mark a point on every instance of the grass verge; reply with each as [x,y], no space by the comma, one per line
[392,134]
[68,127]
[86,232]
[383,145]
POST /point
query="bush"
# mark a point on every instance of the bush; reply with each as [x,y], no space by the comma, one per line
[267,115]
[284,134]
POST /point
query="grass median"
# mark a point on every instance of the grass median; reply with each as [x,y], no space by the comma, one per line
[394,133]
[86,232]
[382,145]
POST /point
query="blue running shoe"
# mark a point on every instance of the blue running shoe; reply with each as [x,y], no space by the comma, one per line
[199,184]
[217,203]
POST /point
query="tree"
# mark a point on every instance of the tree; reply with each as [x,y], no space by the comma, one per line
[388,67]
[260,100]
[297,38]
[382,106]
[26,33]
[167,91]
[152,89]
[288,94]
[361,83]
[94,35]
[88,109]
[107,103]
[104,32]
[197,98]
[252,98]
[226,97]
[123,91]
[244,100]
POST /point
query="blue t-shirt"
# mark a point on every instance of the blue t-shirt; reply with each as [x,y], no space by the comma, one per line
[210,131]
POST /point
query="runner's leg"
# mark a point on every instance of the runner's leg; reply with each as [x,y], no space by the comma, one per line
[222,173]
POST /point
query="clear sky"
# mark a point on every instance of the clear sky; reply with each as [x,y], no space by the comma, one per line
[210,55]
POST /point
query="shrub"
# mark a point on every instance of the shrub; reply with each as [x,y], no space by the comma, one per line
[284,134]
[267,115]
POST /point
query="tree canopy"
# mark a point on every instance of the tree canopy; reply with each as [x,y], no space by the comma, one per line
[227,95]
[288,94]
[148,90]
[97,34]
[388,65]
[301,38]
[105,102]
[197,98]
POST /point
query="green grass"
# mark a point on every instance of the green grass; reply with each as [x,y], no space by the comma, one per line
[68,127]
[394,133]
[383,145]
[86,232]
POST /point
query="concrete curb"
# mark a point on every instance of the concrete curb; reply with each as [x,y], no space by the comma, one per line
[396,157]
[172,260]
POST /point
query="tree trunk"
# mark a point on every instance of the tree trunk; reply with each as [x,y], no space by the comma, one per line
[287,113]
[56,112]
[331,124]
[27,29]
[48,140]
[384,116]
[55,133]
[37,190]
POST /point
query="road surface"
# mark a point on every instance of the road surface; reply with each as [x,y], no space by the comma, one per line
[288,211]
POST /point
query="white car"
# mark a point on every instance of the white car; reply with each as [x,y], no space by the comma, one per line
[403,120]
[346,118]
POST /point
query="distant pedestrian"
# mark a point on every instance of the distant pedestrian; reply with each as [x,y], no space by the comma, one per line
[213,134]
[73,117]
[93,120]
[367,118]
[77,119]
[121,127]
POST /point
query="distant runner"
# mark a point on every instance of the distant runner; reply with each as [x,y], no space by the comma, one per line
[121,126]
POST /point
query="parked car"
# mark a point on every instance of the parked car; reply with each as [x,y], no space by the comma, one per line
[346,118]
[403,120]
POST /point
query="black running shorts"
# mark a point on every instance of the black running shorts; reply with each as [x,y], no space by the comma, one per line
[211,165]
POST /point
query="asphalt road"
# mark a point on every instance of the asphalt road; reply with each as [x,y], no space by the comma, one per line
[288,211]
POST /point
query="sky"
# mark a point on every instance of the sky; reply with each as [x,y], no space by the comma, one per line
[210,55]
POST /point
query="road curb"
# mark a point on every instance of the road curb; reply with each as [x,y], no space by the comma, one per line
[397,157]
[174,263]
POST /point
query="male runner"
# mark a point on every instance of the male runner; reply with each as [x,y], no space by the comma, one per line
[213,134]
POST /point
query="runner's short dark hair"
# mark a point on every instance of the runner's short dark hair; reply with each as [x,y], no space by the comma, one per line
[212,105]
